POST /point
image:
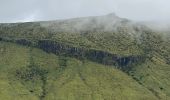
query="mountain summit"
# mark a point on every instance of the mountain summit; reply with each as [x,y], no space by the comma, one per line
[106,23]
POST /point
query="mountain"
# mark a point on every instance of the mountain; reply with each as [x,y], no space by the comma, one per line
[90,58]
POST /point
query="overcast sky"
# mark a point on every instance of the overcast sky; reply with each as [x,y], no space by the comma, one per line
[34,10]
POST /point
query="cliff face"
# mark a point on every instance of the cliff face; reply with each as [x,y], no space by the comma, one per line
[91,54]
[102,57]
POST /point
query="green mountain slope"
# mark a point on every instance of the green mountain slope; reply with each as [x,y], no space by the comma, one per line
[28,73]
[154,75]
[93,58]
[117,39]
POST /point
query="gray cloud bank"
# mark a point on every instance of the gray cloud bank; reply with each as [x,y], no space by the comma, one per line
[35,10]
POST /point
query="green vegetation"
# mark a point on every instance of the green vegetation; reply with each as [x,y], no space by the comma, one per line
[118,42]
[154,75]
[60,60]
[58,78]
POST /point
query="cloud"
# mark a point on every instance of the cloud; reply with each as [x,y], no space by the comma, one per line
[34,16]
[32,10]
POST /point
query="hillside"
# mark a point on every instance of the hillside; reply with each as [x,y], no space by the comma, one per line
[91,58]
[29,73]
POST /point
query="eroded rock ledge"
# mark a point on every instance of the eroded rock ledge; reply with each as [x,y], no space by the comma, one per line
[102,57]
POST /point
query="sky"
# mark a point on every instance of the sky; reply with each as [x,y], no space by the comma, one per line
[40,10]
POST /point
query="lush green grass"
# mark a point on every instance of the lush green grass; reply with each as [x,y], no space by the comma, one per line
[154,75]
[66,78]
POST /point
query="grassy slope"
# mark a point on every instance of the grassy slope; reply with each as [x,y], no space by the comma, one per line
[154,75]
[67,78]
[118,42]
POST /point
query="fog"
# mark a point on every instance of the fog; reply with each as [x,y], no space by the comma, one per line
[36,10]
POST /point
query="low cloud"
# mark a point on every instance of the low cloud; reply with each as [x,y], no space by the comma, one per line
[35,10]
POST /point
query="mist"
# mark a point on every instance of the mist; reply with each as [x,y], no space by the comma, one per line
[41,10]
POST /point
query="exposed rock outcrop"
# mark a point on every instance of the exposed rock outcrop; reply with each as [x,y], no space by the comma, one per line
[98,56]
[121,62]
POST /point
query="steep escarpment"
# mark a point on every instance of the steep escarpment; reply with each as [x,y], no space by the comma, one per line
[90,54]
[121,62]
